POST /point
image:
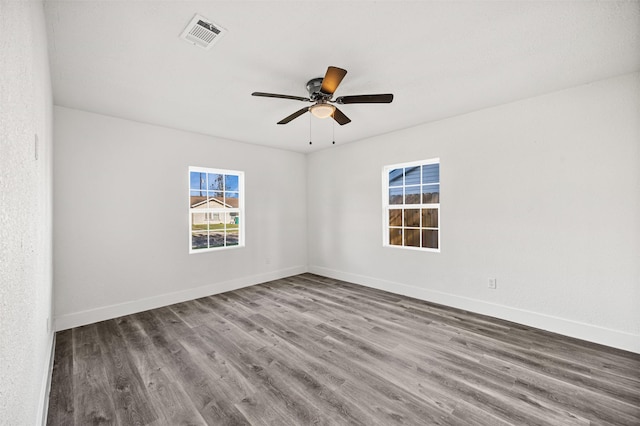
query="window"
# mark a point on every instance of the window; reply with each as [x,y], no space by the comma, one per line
[411,204]
[216,209]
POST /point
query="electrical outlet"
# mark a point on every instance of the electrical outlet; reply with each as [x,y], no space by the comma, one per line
[493,283]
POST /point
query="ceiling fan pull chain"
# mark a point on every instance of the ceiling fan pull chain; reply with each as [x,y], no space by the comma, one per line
[333,127]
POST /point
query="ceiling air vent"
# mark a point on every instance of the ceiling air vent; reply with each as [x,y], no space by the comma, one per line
[202,32]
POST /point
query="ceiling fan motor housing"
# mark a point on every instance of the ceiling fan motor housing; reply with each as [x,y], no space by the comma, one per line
[313,87]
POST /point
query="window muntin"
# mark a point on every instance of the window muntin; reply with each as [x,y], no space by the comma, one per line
[411,201]
[216,209]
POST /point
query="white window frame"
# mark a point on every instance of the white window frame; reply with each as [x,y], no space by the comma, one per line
[387,207]
[209,212]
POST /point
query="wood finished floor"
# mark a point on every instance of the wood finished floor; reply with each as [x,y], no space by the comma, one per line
[312,350]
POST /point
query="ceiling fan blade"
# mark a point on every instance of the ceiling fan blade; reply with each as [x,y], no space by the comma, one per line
[296,114]
[275,95]
[365,99]
[340,117]
[332,80]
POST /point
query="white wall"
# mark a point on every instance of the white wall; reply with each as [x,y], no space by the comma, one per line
[25,213]
[543,194]
[121,235]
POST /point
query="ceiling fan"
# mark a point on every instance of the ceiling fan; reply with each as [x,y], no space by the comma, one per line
[321,91]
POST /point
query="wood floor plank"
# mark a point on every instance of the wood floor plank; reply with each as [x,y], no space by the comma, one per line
[232,382]
[93,397]
[127,388]
[61,406]
[323,381]
[310,337]
[166,394]
[210,402]
[355,367]
[309,349]
[296,408]
[575,399]
[570,372]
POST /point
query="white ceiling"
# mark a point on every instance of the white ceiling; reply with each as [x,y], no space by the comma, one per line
[440,59]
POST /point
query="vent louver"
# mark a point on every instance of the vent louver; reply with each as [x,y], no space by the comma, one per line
[202,32]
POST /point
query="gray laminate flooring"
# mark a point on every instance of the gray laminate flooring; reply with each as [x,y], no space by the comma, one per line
[312,350]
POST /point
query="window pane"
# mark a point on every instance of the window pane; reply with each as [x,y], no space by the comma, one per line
[216,238]
[231,200]
[216,200]
[395,177]
[412,175]
[233,237]
[197,198]
[430,194]
[199,232]
[216,220]
[395,217]
[412,237]
[429,218]
[430,238]
[215,181]
[395,236]
[199,240]
[230,220]
[199,222]
[395,195]
[412,217]
[230,182]
[431,173]
[412,195]
[197,180]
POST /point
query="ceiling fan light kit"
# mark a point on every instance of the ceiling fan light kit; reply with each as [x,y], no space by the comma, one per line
[322,110]
[321,91]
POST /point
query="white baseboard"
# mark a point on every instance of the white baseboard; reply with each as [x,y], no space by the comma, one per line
[91,316]
[566,327]
[43,406]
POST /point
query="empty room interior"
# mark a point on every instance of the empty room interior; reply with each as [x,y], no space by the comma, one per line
[398,212]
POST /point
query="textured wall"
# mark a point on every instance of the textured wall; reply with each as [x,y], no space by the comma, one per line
[121,226]
[25,212]
[543,194]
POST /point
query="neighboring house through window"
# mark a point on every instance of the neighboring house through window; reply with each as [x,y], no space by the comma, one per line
[216,209]
[411,201]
